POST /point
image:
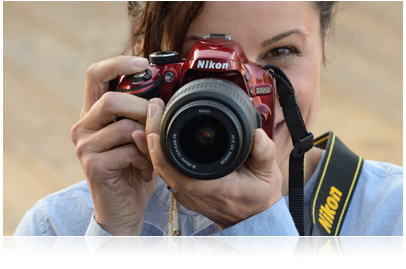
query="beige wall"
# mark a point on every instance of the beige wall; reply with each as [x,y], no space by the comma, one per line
[49,45]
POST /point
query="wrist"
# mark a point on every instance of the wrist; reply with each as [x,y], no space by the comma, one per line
[250,211]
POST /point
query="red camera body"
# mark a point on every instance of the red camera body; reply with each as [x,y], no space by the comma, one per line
[216,56]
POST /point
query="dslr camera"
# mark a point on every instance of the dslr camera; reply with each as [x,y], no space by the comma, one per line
[215,99]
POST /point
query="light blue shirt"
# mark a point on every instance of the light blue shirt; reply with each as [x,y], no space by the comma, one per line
[375,209]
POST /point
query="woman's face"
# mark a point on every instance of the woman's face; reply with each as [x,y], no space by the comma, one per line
[285,34]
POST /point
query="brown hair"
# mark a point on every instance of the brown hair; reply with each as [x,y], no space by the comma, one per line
[162,25]
[326,11]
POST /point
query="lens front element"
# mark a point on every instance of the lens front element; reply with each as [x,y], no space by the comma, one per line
[204,139]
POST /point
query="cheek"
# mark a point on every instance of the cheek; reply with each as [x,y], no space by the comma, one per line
[306,82]
[308,92]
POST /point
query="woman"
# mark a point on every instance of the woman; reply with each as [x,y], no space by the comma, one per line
[127,175]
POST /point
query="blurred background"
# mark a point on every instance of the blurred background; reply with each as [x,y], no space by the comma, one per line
[47,47]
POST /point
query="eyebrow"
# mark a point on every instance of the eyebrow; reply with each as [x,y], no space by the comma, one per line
[276,38]
[264,44]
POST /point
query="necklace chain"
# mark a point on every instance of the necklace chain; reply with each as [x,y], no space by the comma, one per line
[173,224]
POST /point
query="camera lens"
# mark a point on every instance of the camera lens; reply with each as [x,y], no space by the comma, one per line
[207,128]
[203,135]
[204,138]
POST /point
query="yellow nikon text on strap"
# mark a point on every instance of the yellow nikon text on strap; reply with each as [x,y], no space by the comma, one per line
[334,187]
[327,211]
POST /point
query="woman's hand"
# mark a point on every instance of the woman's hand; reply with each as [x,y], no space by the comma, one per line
[251,189]
[114,154]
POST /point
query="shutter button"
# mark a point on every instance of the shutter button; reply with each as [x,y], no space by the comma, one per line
[142,76]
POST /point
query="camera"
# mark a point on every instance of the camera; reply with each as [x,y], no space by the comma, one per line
[215,99]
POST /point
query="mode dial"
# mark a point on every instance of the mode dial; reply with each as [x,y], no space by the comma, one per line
[164,57]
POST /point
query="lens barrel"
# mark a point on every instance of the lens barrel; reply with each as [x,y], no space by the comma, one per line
[208,127]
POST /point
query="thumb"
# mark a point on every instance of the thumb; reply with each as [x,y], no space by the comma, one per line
[262,161]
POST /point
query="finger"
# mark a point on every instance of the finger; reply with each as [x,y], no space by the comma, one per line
[112,105]
[159,102]
[99,74]
[139,136]
[262,158]
[155,110]
[125,157]
[140,140]
[113,135]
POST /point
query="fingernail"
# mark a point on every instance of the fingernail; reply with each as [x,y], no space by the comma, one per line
[150,141]
[151,110]
[139,62]
[263,143]
[155,101]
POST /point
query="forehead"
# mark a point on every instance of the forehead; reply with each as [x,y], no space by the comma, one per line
[254,20]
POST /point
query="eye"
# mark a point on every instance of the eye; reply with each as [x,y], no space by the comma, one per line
[282,52]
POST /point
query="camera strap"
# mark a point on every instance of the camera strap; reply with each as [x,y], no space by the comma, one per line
[335,186]
[302,142]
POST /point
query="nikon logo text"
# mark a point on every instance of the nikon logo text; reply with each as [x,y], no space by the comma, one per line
[327,212]
[209,64]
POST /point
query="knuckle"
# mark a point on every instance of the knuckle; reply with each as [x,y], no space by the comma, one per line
[91,165]
[117,59]
[125,126]
[80,149]
[116,63]
[79,139]
[74,133]
[92,71]
[107,101]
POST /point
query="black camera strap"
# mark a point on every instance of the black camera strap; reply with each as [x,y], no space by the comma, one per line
[302,142]
[335,186]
